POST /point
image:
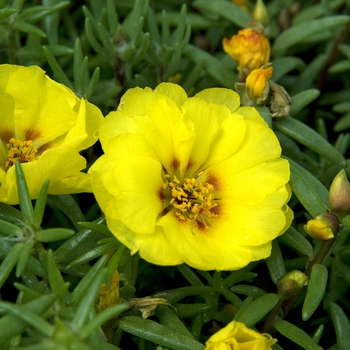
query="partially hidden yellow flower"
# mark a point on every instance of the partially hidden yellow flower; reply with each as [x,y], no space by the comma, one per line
[239,337]
[196,180]
[323,227]
[44,125]
[257,83]
[250,48]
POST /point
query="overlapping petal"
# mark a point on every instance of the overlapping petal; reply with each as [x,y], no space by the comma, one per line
[55,121]
[196,180]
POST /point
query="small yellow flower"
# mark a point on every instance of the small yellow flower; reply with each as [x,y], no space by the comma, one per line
[291,283]
[257,83]
[250,48]
[339,195]
[44,125]
[260,13]
[323,227]
[109,296]
[198,180]
[239,337]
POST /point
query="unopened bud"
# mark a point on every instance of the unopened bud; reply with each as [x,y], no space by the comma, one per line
[280,103]
[323,227]
[260,13]
[339,195]
[257,82]
[291,283]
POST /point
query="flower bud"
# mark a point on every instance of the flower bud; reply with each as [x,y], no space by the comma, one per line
[280,103]
[260,13]
[323,227]
[291,283]
[339,195]
[250,48]
[257,82]
[109,296]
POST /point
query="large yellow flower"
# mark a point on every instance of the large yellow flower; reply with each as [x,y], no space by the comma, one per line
[238,337]
[196,180]
[44,125]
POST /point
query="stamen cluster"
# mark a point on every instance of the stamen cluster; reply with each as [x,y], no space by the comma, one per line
[24,151]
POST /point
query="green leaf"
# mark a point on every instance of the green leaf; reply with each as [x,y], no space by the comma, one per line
[6,12]
[296,335]
[11,214]
[190,310]
[341,326]
[231,12]
[30,318]
[275,263]
[343,123]
[92,83]
[9,229]
[296,240]
[299,32]
[23,194]
[309,190]
[284,65]
[318,333]
[9,262]
[190,275]
[302,99]
[315,290]
[247,290]
[26,252]
[54,234]
[130,23]
[309,138]
[40,204]
[28,28]
[258,309]
[158,334]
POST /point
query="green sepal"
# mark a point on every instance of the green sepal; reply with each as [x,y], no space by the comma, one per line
[296,335]
[341,326]
[315,290]
[258,309]
[158,334]
[231,12]
[309,138]
[275,263]
[309,190]
[23,258]
[295,239]
[54,234]
[299,32]
[25,202]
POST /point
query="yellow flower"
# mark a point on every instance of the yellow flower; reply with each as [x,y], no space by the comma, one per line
[250,48]
[257,83]
[196,180]
[44,126]
[238,337]
[323,227]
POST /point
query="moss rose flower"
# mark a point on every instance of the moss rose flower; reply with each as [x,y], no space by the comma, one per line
[44,125]
[196,180]
[238,337]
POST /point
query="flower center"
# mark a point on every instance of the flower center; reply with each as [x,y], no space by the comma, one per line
[24,151]
[192,199]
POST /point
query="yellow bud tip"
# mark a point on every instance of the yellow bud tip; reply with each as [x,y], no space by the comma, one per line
[323,227]
[339,195]
[260,13]
[257,83]
[291,284]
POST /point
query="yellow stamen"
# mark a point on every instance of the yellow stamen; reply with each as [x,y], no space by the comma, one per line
[24,151]
[192,199]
